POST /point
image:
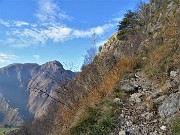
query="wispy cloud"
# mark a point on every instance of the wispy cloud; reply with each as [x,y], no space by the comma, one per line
[57,33]
[13,23]
[5,23]
[36,56]
[50,11]
[50,28]
[7,58]
[99,30]
[27,36]
[21,23]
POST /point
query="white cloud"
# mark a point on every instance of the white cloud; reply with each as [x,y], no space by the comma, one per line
[99,30]
[36,56]
[51,28]
[57,33]
[13,23]
[5,23]
[7,58]
[20,23]
[29,35]
[50,11]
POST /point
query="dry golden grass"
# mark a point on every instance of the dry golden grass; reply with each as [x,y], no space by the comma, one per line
[71,117]
[160,59]
[167,56]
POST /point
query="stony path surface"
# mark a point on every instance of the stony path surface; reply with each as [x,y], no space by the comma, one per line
[149,107]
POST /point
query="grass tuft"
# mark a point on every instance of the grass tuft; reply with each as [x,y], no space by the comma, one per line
[175,127]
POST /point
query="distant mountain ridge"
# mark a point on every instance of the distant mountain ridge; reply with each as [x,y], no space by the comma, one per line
[19,89]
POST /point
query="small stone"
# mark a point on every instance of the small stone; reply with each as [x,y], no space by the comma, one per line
[117,100]
[140,107]
[122,115]
[155,121]
[173,74]
[147,115]
[122,132]
[127,88]
[163,128]
[153,133]
[137,76]
[160,99]
[144,58]
[129,123]
[135,97]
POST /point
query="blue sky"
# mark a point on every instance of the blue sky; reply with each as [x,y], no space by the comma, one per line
[37,31]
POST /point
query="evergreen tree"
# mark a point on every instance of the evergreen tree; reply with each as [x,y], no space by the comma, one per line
[127,25]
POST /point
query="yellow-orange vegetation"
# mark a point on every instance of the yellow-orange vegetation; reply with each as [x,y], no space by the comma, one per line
[166,56]
[70,117]
[157,61]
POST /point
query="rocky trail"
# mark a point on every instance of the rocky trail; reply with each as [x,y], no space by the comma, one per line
[149,108]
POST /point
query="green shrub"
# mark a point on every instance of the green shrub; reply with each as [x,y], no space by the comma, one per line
[127,25]
[97,121]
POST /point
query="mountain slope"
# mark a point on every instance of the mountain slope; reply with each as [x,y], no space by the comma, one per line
[153,48]
[132,85]
[21,87]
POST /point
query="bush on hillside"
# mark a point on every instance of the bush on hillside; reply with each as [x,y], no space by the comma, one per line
[127,25]
[98,121]
[89,56]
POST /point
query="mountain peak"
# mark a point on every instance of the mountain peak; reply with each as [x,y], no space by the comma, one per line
[20,87]
[53,64]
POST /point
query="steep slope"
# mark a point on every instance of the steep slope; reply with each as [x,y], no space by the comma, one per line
[12,88]
[154,50]
[22,86]
[131,87]
[9,116]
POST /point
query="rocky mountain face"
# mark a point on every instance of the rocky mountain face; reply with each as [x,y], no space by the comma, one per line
[9,116]
[25,90]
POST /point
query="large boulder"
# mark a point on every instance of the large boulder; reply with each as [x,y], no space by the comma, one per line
[170,105]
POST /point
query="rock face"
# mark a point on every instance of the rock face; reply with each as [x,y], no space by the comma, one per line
[22,86]
[9,116]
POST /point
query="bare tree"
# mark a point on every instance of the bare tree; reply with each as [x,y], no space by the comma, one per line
[91,52]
